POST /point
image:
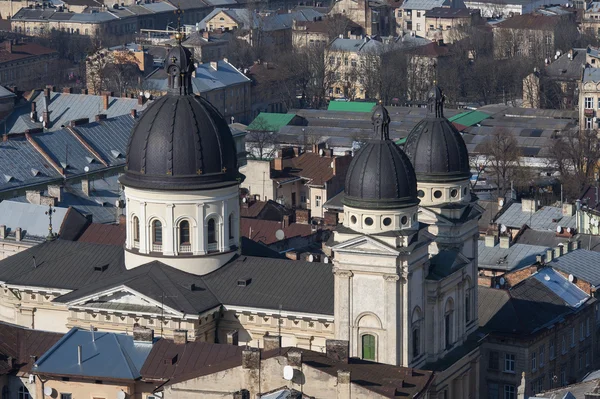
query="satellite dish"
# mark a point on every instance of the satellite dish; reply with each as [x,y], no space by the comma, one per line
[48,391]
[503,228]
[121,395]
[571,278]
[502,281]
[311,258]
[326,260]
[568,230]
[558,229]
[547,278]
[147,94]
[86,169]
[501,203]
[141,93]
[41,119]
[288,373]
[279,234]
[244,200]
[321,152]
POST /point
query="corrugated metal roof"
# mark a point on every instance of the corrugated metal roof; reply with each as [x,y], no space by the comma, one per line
[469,118]
[355,45]
[160,6]
[105,355]
[5,93]
[30,218]
[547,218]
[515,257]
[351,106]
[581,263]
[270,121]
[425,4]
[557,283]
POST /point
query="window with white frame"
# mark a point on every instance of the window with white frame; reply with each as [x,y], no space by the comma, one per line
[317,201]
[509,362]
[509,392]
[589,123]
[533,361]
[589,102]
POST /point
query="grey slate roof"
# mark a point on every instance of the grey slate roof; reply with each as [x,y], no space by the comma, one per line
[246,17]
[515,257]
[574,391]
[356,45]
[429,4]
[30,218]
[581,263]
[564,68]
[64,108]
[547,218]
[105,355]
[5,93]
[591,75]
[62,264]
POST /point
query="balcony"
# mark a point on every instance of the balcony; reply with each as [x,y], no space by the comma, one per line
[185,248]
[136,244]
[213,247]
[156,247]
[589,113]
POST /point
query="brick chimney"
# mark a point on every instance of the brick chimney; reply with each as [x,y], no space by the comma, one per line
[272,342]
[180,337]
[143,334]
[100,117]
[140,100]
[303,216]
[133,113]
[206,34]
[105,101]
[85,186]
[251,359]
[46,118]
[33,197]
[18,234]
[67,90]
[55,192]
[285,221]
[34,115]
[232,337]
[337,350]
[47,95]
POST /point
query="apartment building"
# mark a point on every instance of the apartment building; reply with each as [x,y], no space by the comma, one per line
[411,15]
[25,65]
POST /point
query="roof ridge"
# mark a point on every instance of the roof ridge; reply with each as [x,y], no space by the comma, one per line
[129,362]
[158,270]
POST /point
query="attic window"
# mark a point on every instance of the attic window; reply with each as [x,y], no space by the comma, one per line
[64,165]
[243,282]
[116,153]
[170,360]
[100,268]
[8,178]
[90,159]
[35,172]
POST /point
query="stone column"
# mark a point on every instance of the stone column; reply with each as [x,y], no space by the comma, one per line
[169,244]
[145,230]
[225,227]
[200,247]
[342,301]
[388,350]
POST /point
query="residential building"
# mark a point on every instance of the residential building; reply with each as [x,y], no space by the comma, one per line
[226,19]
[590,24]
[508,8]
[226,87]
[268,81]
[25,65]
[535,330]
[376,18]
[206,47]
[422,66]
[546,218]
[532,35]
[440,22]
[23,225]
[296,179]
[411,16]
[345,61]
[589,97]
[556,85]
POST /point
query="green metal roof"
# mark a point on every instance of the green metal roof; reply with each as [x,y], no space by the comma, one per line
[267,121]
[401,141]
[469,118]
[350,106]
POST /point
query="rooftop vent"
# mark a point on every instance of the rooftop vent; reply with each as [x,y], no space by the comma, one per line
[65,165]
[116,153]
[100,268]
[35,172]
[8,178]
[90,159]
[243,282]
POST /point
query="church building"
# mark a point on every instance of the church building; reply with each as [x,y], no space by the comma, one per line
[401,287]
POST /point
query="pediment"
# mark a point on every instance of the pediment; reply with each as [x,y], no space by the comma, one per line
[122,299]
[365,245]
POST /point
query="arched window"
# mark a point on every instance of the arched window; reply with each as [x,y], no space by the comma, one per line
[416,332]
[212,231]
[24,393]
[368,347]
[184,236]
[231,236]
[136,231]
[157,236]
[448,323]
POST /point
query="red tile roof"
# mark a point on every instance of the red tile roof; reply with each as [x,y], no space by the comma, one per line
[21,51]
[108,234]
[432,50]
[264,230]
[23,346]
[253,209]
[310,166]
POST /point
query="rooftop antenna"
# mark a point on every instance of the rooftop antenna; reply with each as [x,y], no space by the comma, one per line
[51,236]
[162,310]
[34,262]
[179,35]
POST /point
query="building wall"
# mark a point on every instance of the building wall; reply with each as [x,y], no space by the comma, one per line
[509,43]
[258,179]
[413,21]
[303,38]
[222,21]
[90,389]
[345,69]
[588,109]
[11,247]
[232,101]
[28,73]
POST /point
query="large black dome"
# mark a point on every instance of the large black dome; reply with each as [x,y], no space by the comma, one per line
[380,175]
[434,146]
[181,142]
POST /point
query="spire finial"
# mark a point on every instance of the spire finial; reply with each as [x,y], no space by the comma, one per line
[381,122]
[51,236]
[435,102]
[179,34]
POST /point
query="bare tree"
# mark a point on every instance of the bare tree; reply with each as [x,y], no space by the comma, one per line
[502,153]
[261,139]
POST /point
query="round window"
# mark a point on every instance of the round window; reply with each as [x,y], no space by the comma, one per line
[420,193]
[454,193]
[368,221]
[353,219]
[437,194]
[387,221]
[403,220]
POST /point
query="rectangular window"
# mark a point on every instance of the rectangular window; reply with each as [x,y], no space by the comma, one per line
[589,102]
[587,327]
[581,332]
[430,27]
[598,102]
[509,392]
[65,396]
[542,355]
[493,391]
[317,201]
[494,361]
[533,361]
[589,123]
[563,345]
[552,354]
[509,362]
[418,27]
[572,337]
[540,384]
[418,14]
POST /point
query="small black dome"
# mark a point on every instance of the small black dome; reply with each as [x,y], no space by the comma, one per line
[435,148]
[380,176]
[181,142]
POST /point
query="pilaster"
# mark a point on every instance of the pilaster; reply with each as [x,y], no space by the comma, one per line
[200,247]
[342,300]
[169,244]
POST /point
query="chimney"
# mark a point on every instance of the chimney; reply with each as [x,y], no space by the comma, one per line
[67,90]
[294,358]
[34,117]
[303,216]
[84,91]
[2,231]
[11,362]
[337,350]
[180,337]
[214,65]
[140,99]
[4,138]
[278,161]
[18,234]
[568,209]
[142,334]
[549,255]
[46,118]
[85,187]
[55,192]
[285,222]
[539,259]
[8,46]
[505,241]
[529,205]
[232,337]
[271,342]
[47,94]
[79,354]
[100,117]
[293,255]
[33,197]
[80,121]
[574,245]
[557,252]
[206,35]
[491,240]
[105,101]
[122,220]
[343,384]
[251,359]
[133,113]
